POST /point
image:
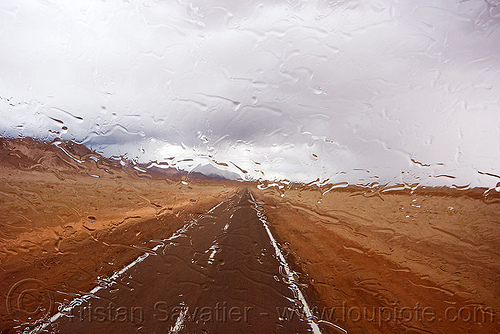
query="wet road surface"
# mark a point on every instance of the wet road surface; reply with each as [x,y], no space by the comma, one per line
[219,274]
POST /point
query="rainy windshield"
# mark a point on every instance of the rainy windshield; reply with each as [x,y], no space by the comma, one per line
[265,167]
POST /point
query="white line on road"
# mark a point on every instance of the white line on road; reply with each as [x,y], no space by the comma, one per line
[290,274]
[179,323]
[107,282]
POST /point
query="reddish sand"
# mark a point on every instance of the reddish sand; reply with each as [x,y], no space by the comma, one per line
[68,233]
[395,263]
[66,228]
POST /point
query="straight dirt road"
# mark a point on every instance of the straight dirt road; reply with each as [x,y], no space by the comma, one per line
[219,274]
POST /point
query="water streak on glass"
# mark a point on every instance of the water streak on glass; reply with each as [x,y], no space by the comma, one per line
[270,167]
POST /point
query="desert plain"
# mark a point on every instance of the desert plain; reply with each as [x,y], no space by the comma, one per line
[424,261]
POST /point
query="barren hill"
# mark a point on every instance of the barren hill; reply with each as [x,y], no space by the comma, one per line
[63,157]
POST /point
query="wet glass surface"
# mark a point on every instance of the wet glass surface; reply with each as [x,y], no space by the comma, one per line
[221,166]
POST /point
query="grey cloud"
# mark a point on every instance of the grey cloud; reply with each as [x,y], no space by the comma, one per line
[365,85]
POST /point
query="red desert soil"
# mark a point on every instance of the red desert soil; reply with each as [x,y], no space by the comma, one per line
[395,263]
[65,227]
[427,262]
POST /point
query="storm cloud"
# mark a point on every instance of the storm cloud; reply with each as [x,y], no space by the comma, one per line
[357,91]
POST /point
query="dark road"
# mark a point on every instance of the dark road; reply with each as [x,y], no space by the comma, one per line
[220,274]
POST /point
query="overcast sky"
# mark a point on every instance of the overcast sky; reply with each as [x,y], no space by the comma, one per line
[359,91]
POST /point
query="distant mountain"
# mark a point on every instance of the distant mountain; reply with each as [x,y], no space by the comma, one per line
[214,172]
[67,157]
[33,154]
